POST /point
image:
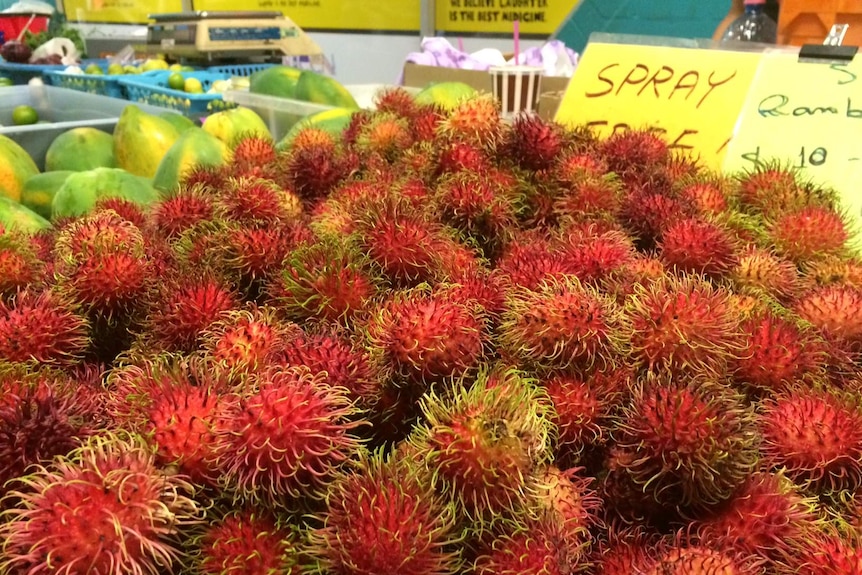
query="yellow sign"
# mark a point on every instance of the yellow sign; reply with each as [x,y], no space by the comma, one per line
[807,115]
[117,11]
[541,17]
[691,96]
[347,15]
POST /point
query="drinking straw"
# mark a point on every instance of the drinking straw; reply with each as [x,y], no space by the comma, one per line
[517,26]
[460,44]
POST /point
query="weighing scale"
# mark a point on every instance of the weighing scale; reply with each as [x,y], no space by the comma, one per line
[231,37]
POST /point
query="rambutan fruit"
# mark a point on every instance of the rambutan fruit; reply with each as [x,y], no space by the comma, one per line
[642,270]
[683,324]
[697,245]
[808,233]
[833,270]
[573,165]
[531,259]
[623,552]
[484,442]
[682,559]
[189,206]
[836,311]
[767,517]
[345,363]
[478,206]
[778,352]
[692,440]
[583,408]
[174,403]
[247,339]
[42,415]
[383,517]
[562,323]
[42,326]
[398,101]
[328,280]
[287,433]
[251,199]
[182,306]
[208,178]
[104,508]
[20,264]
[589,196]
[313,170]
[462,157]
[634,150]
[528,548]
[485,288]
[386,136]
[252,155]
[816,437]
[710,195]
[646,215]
[126,209]
[773,189]
[627,502]
[424,123]
[567,501]
[474,120]
[683,166]
[358,120]
[423,336]
[593,255]
[761,271]
[314,137]
[533,143]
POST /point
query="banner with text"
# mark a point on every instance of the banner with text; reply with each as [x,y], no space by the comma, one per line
[117,11]
[691,96]
[535,17]
[809,116]
[347,15]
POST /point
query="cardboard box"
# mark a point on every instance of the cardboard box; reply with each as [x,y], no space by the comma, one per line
[548,104]
[419,76]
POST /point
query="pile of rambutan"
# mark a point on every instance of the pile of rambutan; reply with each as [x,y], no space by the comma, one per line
[437,344]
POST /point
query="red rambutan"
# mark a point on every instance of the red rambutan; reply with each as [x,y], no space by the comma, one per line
[425,122]
[698,246]
[808,233]
[424,337]
[647,215]
[533,142]
[189,206]
[634,150]
[247,542]
[816,437]
[247,339]
[562,323]
[313,170]
[20,263]
[530,259]
[836,311]
[126,209]
[286,434]
[250,199]
[710,195]
[45,327]
[692,440]
[252,155]
[773,190]
[683,324]
[475,121]
[460,156]
[593,255]
[386,136]
[209,178]
[383,517]
[760,271]
[701,560]
[589,196]
[396,100]
[106,508]
[528,548]
[829,553]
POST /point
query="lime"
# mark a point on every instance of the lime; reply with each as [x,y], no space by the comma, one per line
[193,86]
[93,69]
[115,69]
[176,81]
[24,115]
[4,81]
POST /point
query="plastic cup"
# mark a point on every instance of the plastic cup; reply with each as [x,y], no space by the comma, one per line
[516,88]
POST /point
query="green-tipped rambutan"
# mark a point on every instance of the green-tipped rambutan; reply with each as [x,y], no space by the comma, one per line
[528,548]
[692,440]
[20,264]
[483,443]
[423,337]
[634,151]
[589,196]
[174,403]
[384,517]
[247,339]
[482,287]
[425,122]
[386,136]
[251,199]
[697,245]
[816,437]
[710,194]
[833,270]
[462,157]
[683,324]
[693,559]
[245,541]
[593,255]
[533,143]
[252,155]
[209,178]
[396,100]
[759,271]
[475,121]
[287,433]
[42,326]
[828,553]
[105,508]
[623,552]
[531,259]
[562,323]
[773,190]
[567,501]
[327,280]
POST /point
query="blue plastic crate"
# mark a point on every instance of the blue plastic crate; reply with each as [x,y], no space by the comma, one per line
[242,70]
[101,84]
[23,73]
[152,88]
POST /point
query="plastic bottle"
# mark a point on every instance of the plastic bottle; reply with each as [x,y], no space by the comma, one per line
[752,26]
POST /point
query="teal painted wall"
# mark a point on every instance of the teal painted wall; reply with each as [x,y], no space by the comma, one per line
[677,18]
